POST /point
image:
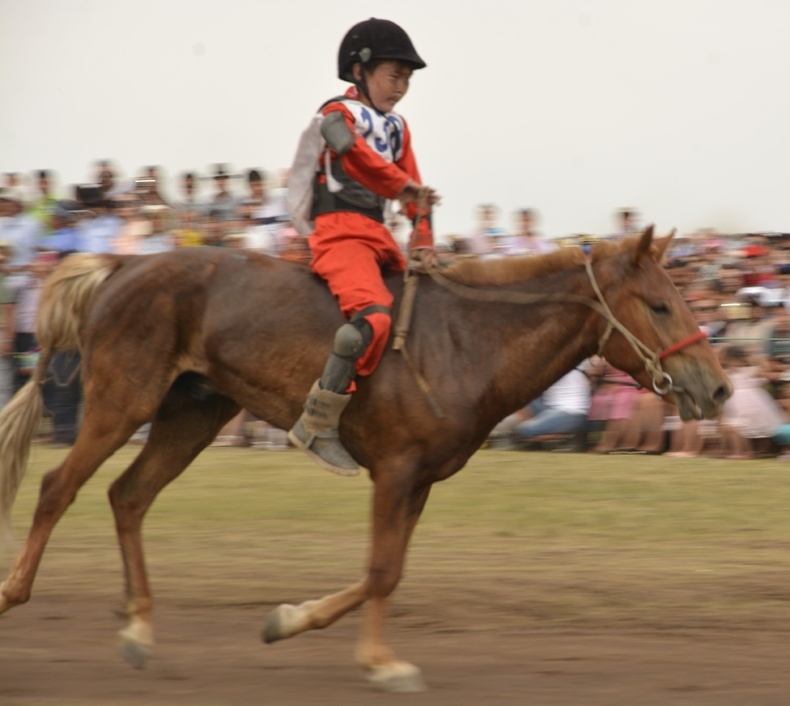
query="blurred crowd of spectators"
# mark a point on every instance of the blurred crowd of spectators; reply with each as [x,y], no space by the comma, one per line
[738,287]
[137,215]
[41,222]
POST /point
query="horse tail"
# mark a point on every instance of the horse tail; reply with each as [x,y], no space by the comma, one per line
[62,307]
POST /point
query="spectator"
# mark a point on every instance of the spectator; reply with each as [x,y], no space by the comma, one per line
[610,405]
[753,328]
[101,227]
[189,228]
[11,181]
[223,203]
[105,180]
[148,187]
[525,240]
[27,287]
[189,202]
[268,213]
[215,229]
[562,409]
[159,237]
[778,362]
[729,278]
[21,231]
[41,206]
[782,434]
[6,328]
[63,396]
[759,269]
[751,413]
[627,223]
[707,312]
[64,236]
[685,440]
[134,226]
[644,429]
[484,240]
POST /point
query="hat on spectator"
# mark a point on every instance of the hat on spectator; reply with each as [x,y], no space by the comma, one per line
[763,296]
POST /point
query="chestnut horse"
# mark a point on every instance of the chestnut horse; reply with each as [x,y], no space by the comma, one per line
[187,339]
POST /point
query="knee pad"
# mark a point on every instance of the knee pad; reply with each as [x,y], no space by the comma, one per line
[353,338]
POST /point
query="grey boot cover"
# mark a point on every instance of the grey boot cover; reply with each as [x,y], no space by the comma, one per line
[315,432]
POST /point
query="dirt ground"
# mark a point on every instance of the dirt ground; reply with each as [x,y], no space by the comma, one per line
[651,585]
[59,649]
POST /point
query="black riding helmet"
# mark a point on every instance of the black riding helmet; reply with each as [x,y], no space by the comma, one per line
[375,39]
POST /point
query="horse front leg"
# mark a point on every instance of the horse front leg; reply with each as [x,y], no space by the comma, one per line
[393,526]
[396,511]
[288,620]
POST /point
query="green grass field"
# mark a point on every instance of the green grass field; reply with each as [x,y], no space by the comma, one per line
[553,539]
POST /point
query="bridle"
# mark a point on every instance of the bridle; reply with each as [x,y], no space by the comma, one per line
[662,380]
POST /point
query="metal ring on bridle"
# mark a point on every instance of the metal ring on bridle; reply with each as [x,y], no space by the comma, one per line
[666,377]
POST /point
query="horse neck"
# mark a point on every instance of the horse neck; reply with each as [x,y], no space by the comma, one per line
[535,348]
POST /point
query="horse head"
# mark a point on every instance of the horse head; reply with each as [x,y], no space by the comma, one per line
[651,333]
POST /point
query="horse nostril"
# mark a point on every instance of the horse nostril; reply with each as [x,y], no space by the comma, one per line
[723,393]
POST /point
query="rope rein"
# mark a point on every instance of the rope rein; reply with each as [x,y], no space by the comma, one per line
[407,307]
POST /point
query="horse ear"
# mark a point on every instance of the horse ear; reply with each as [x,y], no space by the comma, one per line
[643,249]
[662,245]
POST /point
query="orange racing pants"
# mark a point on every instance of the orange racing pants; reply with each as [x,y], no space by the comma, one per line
[349,252]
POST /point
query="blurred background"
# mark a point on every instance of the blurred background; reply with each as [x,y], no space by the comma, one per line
[575,108]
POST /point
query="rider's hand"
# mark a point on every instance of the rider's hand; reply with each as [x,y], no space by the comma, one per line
[418,193]
[424,257]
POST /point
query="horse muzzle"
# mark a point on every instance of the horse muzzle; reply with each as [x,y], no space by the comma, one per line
[702,399]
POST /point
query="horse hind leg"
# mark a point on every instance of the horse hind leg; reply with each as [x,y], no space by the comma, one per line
[183,427]
[104,430]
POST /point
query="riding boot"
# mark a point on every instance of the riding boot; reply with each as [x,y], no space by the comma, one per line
[315,432]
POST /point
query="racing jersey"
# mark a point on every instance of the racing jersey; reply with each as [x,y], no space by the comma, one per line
[381,159]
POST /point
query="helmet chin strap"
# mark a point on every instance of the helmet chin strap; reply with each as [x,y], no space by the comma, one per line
[362,87]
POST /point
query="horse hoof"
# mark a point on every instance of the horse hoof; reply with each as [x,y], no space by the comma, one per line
[136,644]
[5,604]
[135,653]
[401,677]
[279,624]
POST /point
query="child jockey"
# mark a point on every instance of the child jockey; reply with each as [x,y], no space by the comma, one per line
[370,161]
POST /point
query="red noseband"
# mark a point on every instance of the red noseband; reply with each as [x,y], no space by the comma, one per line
[680,345]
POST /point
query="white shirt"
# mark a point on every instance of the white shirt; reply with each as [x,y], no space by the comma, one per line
[23,232]
[571,393]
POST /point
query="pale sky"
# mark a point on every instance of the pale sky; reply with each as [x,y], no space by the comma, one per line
[677,108]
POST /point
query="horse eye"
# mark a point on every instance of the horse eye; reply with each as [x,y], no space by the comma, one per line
[659,308]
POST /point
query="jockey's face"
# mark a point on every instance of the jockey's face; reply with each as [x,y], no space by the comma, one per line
[386,84]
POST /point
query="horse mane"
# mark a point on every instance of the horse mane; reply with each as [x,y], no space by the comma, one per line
[480,272]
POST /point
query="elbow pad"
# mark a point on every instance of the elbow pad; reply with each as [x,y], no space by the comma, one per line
[337,134]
